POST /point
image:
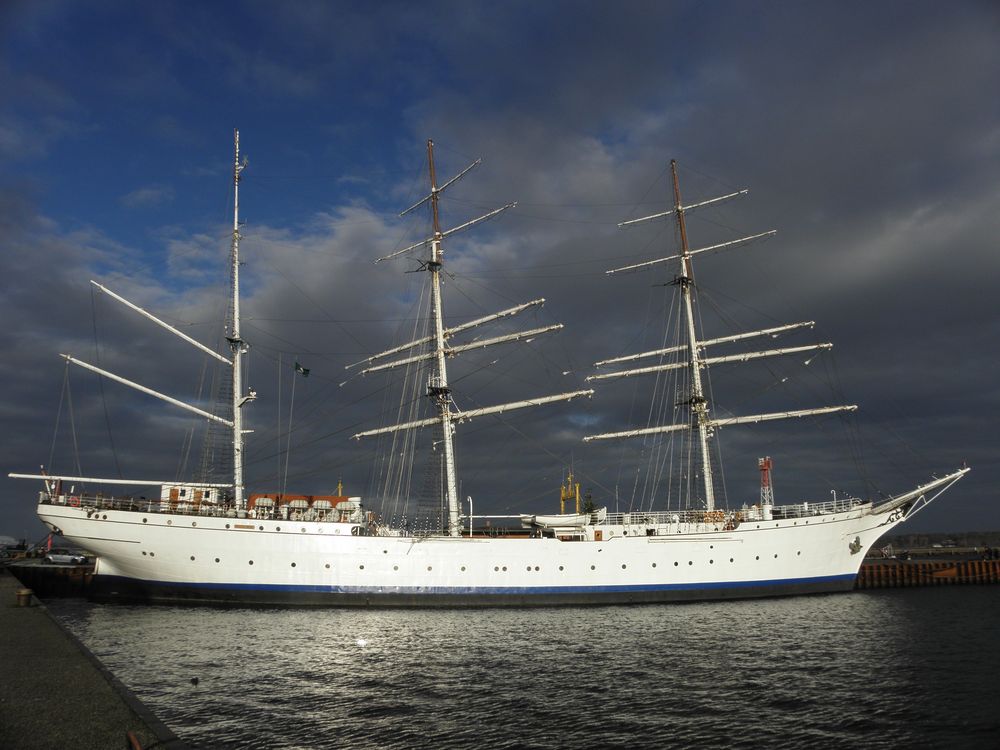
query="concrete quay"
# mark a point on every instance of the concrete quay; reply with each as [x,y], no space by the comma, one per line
[55,693]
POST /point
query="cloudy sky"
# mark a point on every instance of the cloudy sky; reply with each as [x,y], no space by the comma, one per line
[869,134]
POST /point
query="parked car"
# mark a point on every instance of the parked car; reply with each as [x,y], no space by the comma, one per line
[65,557]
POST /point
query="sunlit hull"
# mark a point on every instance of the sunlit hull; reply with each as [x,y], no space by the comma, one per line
[168,558]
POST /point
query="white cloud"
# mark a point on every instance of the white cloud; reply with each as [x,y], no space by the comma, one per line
[148,197]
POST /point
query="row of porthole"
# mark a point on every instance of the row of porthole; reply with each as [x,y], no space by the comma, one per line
[303,530]
[219,560]
[796,523]
[259,528]
[497,568]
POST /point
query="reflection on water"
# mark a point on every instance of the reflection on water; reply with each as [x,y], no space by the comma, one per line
[880,669]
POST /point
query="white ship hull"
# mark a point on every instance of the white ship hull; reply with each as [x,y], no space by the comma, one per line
[162,557]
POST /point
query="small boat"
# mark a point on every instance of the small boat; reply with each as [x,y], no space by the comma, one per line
[564,520]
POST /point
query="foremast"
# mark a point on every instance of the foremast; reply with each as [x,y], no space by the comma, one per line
[438,389]
[699,404]
[701,422]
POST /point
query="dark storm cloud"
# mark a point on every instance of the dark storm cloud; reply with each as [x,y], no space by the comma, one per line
[869,136]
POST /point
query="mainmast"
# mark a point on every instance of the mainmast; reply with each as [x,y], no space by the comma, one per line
[437,386]
[698,402]
[237,344]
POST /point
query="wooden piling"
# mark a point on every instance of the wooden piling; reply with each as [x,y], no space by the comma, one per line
[907,573]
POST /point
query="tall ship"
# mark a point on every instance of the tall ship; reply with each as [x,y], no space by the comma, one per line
[201,542]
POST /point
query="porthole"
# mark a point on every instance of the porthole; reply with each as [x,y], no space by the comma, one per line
[690,562]
[144,520]
[303,530]
[675,564]
[654,565]
[798,553]
[730,559]
[624,566]
[624,533]
[194,523]
[504,568]
[144,553]
[430,567]
[496,568]
[227,525]
[711,562]
[217,559]
[385,552]
[775,557]
[260,528]
[251,562]
[278,529]
[152,554]
[463,568]
[757,557]
[536,567]
[192,558]
[529,568]
[711,546]
[560,567]
[328,566]
[169,522]
[361,567]
[593,567]
[105,518]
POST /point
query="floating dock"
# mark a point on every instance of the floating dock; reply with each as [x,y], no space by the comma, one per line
[55,693]
[50,580]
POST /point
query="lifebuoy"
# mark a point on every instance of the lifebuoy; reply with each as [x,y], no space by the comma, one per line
[355,530]
[74,501]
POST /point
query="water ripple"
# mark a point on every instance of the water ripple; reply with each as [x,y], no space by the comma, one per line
[881,669]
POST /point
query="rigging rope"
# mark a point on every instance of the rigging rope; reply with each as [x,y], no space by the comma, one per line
[100,381]
[55,431]
[72,427]
[288,444]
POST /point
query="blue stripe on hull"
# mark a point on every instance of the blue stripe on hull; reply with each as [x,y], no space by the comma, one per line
[116,588]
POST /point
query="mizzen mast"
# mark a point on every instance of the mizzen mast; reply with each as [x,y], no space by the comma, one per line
[237,344]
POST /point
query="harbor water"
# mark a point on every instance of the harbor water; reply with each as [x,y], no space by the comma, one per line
[887,668]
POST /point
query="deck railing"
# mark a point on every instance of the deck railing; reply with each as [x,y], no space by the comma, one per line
[99,501]
[746,513]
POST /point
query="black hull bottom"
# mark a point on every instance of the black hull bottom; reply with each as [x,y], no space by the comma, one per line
[128,590]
